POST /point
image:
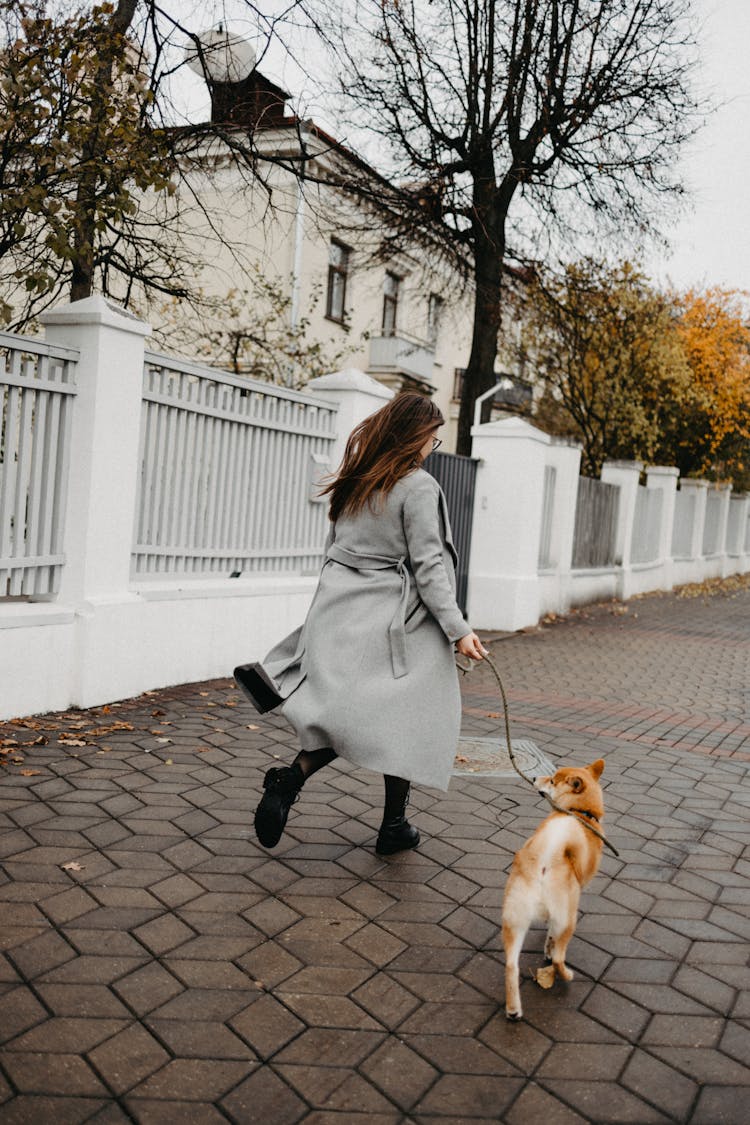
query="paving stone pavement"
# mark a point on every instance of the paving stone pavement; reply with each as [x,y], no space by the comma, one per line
[158,966]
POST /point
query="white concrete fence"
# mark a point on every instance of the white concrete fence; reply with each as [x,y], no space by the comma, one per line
[160,521]
[523,538]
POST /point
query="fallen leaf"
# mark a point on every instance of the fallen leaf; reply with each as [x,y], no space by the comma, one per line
[8,743]
[157,731]
[164,740]
[204,749]
[70,742]
[493,715]
[204,694]
[29,773]
[253,726]
[230,702]
[169,762]
[72,866]
[118,724]
[105,709]
[157,714]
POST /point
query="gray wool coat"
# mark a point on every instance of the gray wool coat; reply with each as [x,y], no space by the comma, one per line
[371,672]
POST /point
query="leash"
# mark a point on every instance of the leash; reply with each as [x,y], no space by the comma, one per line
[568,812]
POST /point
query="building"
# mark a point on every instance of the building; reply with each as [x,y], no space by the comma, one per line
[289,237]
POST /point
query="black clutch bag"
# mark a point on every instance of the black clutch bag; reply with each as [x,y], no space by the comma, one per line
[258,687]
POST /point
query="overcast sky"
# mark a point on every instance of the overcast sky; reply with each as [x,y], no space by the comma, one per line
[711,240]
[711,244]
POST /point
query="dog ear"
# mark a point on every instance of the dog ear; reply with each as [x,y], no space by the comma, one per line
[596,768]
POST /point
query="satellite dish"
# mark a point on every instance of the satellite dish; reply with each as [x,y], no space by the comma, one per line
[221,56]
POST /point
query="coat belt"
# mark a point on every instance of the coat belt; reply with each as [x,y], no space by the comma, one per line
[397,628]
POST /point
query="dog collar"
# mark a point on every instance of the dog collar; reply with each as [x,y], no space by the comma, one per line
[584,812]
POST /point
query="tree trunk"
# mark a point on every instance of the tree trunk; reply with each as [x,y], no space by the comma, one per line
[84,228]
[480,373]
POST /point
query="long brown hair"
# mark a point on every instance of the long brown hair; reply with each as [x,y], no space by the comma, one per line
[380,451]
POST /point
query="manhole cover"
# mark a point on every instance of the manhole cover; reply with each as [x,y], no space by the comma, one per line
[490,756]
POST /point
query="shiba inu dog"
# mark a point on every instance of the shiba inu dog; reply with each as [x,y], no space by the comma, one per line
[548,873]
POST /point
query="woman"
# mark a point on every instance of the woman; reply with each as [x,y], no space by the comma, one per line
[371,676]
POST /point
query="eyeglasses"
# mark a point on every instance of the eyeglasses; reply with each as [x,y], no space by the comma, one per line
[436,443]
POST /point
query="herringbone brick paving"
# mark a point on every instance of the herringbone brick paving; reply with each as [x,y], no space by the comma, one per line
[159,966]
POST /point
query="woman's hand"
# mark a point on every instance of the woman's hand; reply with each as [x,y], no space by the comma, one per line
[471,646]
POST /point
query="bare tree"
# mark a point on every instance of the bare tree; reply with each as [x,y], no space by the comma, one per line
[484,102]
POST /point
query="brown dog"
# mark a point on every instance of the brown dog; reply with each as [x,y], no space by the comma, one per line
[547,875]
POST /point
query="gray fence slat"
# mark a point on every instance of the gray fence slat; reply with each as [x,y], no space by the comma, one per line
[37,389]
[713,519]
[223,479]
[548,511]
[456,475]
[684,522]
[646,525]
[594,536]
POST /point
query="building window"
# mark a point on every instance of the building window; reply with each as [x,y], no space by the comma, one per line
[459,374]
[338,271]
[390,303]
[434,316]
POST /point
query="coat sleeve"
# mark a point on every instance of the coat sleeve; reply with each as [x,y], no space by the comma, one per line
[427,559]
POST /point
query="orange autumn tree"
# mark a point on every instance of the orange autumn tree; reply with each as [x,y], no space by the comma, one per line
[710,434]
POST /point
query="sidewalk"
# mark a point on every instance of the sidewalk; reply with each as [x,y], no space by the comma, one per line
[160,967]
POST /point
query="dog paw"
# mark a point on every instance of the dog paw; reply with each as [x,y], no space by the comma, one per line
[566,973]
[514,1017]
[545,977]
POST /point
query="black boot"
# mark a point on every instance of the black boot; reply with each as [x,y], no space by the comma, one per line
[282,785]
[396,834]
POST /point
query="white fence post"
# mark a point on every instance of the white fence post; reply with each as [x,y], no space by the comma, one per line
[103,472]
[625,474]
[105,436]
[358,396]
[664,478]
[504,559]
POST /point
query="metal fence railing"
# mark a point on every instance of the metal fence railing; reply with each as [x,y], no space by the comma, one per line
[685,505]
[711,528]
[595,533]
[545,559]
[37,386]
[228,474]
[736,517]
[457,476]
[647,517]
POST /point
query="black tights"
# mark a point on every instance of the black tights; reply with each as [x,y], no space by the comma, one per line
[310,761]
[396,796]
[396,788]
